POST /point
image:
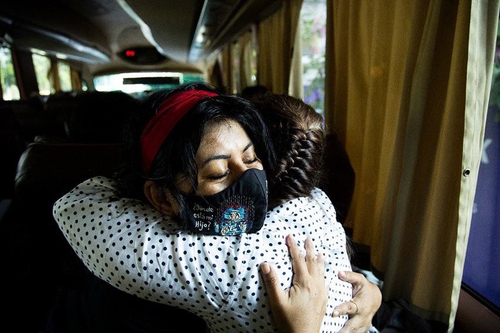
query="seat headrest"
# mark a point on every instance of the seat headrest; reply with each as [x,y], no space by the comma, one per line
[48,171]
[99,117]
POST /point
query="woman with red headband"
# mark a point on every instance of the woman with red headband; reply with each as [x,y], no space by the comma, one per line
[198,159]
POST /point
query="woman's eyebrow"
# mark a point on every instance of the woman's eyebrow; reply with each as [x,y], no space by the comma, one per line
[215,157]
[250,144]
[223,157]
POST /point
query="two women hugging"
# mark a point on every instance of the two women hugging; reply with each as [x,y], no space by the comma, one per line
[210,189]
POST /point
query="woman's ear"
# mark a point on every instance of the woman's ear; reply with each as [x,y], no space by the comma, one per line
[164,203]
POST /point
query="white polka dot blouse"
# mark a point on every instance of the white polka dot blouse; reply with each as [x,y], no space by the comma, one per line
[130,245]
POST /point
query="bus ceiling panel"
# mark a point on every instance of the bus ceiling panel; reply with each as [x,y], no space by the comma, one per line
[221,23]
[109,16]
[97,31]
[191,30]
[119,66]
[168,24]
[56,19]
[32,38]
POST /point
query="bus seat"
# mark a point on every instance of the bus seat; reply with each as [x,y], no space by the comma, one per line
[41,258]
[29,116]
[48,283]
[88,117]
[58,110]
[11,148]
[99,117]
[62,166]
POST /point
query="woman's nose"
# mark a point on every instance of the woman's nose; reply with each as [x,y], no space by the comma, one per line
[239,169]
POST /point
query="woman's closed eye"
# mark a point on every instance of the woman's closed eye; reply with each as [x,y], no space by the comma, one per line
[219,175]
[255,159]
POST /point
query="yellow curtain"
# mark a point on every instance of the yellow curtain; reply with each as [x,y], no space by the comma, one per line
[276,38]
[227,68]
[482,43]
[296,88]
[214,75]
[76,81]
[53,76]
[399,94]
[245,64]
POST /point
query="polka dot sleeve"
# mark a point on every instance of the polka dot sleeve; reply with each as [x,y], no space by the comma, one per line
[131,246]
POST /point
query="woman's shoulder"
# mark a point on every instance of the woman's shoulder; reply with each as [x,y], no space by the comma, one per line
[319,194]
[98,184]
[316,197]
[96,193]
[314,209]
[323,200]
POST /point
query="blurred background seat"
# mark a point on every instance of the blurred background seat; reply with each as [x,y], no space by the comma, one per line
[39,260]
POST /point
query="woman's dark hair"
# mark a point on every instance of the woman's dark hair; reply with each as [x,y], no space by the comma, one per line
[177,155]
[298,137]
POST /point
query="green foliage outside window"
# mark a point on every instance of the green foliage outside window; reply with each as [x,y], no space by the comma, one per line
[42,67]
[10,91]
[313,36]
[64,76]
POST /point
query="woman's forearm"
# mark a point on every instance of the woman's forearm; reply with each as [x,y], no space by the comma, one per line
[132,247]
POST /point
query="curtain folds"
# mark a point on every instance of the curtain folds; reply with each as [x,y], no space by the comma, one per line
[296,87]
[484,19]
[276,39]
[227,68]
[76,80]
[245,63]
[53,75]
[214,75]
[400,96]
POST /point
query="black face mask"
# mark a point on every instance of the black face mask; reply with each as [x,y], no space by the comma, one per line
[240,208]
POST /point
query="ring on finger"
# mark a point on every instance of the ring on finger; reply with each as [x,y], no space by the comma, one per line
[357,307]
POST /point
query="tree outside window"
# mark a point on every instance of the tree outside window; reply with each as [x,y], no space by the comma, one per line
[64,76]
[10,91]
[313,38]
[42,67]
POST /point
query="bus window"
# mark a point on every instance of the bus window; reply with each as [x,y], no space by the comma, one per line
[64,76]
[482,267]
[142,82]
[253,63]
[85,86]
[42,67]
[245,61]
[313,38]
[236,67]
[10,91]
[192,78]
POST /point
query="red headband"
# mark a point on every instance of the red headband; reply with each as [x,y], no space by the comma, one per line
[170,111]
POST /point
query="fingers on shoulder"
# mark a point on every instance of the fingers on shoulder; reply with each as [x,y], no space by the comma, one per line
[310,253]
[352,277]
[298,260]
[320,265]
[271,280]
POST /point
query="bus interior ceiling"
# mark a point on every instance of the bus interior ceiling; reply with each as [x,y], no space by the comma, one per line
[92,34]
[102,38]
[52,142]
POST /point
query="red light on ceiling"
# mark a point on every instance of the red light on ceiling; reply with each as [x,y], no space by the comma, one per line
[130,53]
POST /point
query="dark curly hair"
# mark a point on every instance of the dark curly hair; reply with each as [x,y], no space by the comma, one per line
[298,136]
